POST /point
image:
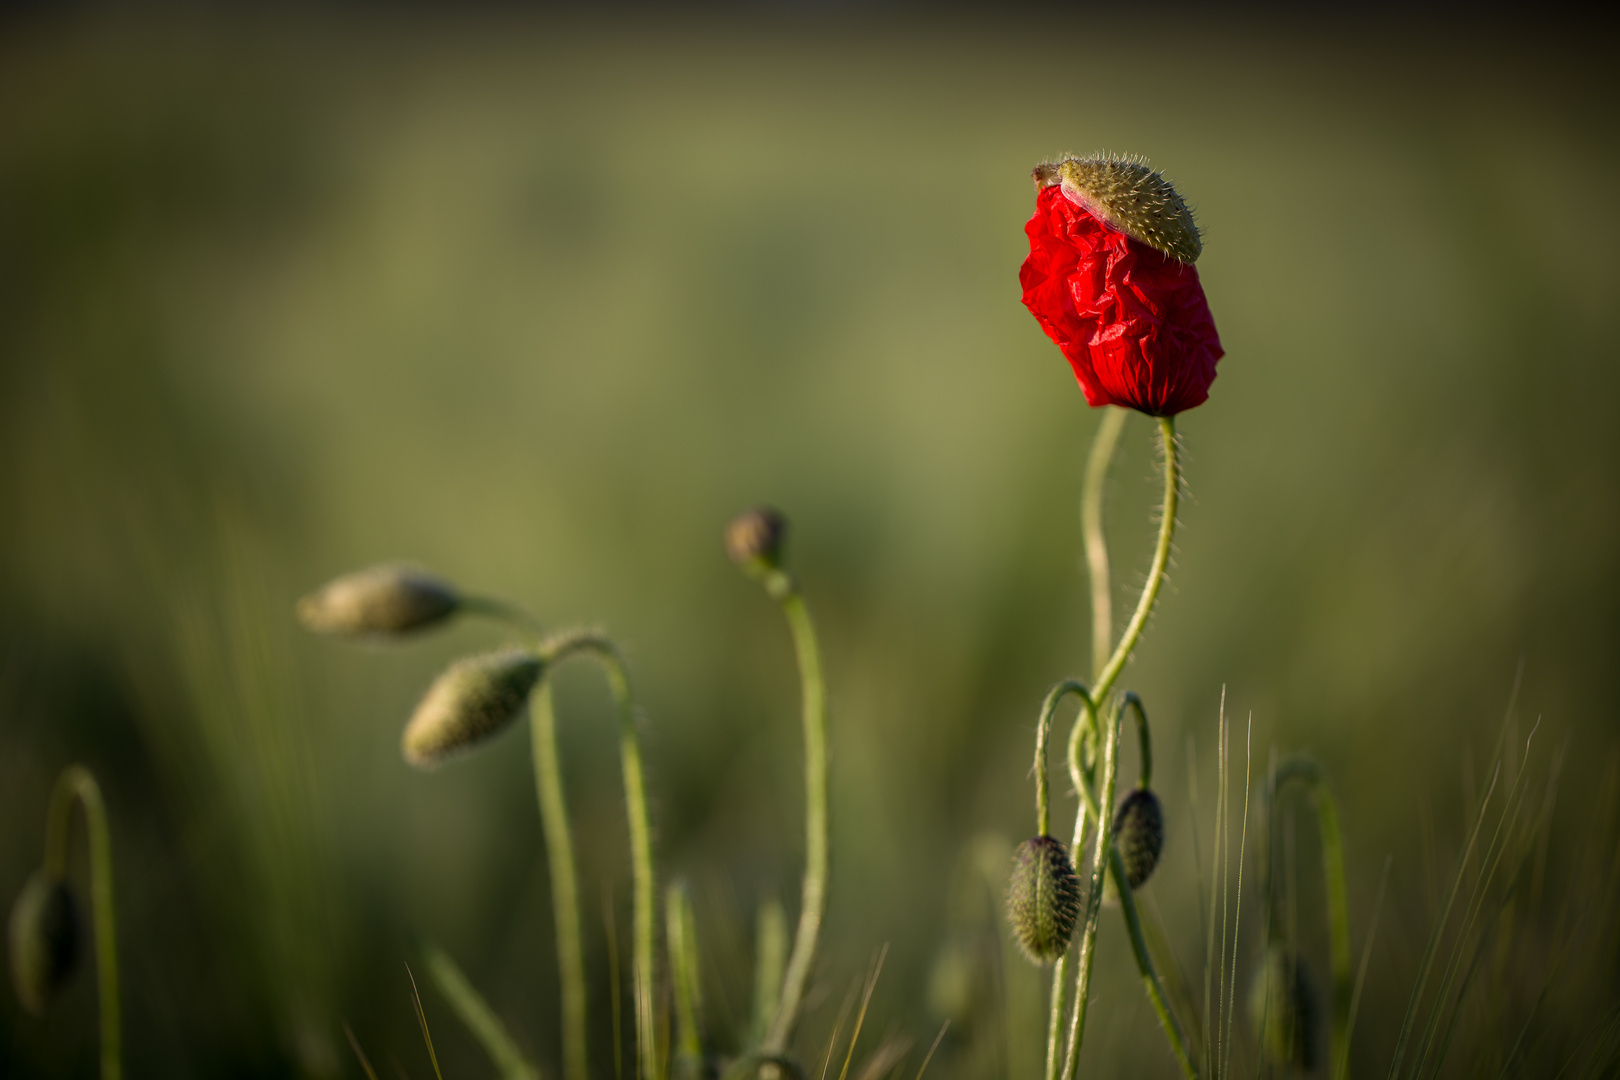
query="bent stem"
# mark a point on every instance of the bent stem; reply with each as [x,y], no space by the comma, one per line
[814,900]
[555,650]
[564,880]
[1308,773]
[1096,541]
[76,784]
[1161,560]
[1144,965]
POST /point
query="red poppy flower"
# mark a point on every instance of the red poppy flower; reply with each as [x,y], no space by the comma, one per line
[1130,318]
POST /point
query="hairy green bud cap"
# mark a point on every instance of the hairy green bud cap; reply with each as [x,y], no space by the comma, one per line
[44,940]
[1043,898]
[474,699]
[754,539]
[381,601]
[1282,1006]
[1130,196]
[1139,832]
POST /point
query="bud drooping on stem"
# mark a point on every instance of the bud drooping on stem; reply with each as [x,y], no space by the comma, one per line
[381,601]
[754,539]
[44,940]
[1282,1006]
[1139,832]
[1043,898]
[473,700]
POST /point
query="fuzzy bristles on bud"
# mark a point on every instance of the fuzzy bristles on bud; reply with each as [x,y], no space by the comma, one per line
[1043,898]
[754,539]
[1130,196]
[474,699]
[44,940]
[1139,832]
[380,601]
[1282,1006]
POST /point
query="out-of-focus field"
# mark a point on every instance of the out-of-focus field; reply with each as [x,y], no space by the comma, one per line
[541,302]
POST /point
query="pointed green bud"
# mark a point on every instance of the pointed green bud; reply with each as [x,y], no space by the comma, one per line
[1130,196]
[1139,832]
[44,940]
[382,601]
[475,699]
[1043,898]
[754,539]
[1282,1006]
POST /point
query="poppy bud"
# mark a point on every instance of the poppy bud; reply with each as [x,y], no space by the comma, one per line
[1129,195]
[1282,1006]
[380,600]
[1139,832]
[754,539]
[44,940]
[473,700]
[1043,898]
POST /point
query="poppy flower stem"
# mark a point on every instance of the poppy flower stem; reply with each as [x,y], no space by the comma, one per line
[813,902]
[1096,541]
[555,650]
[1161,561]
[76,784]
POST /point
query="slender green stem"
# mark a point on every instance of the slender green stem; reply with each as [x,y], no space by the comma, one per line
[1054,1019]
[491,607]
[1161,560]
[1144,738]
[76,784]
[1308,774]
[814,900]
[1096,541]
[1093,905]
[1043,729]
[548,783]
[1144,965]
[556,649]
[681,934]
[474,1012]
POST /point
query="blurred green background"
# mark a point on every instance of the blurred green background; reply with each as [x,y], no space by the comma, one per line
[540,301]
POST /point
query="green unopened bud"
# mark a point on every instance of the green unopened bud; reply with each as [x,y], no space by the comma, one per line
[473,700]
[1139,832]
[44,940]
[754,539]
[1130,196]
[381,601]
[1043,898]
[1282,1005]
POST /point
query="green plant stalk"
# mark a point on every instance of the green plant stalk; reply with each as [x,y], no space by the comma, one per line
[564,881]
[644,902]
[1043,730]
[680,933]
[1144,965]
[814,899]
[770,961]
[76,784]
[1308,773]
[1043,820]
[474,1012]
[1161,560]
[1093,909]
[1096,541]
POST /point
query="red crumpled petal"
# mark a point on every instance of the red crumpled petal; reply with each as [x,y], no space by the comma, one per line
[1132,321]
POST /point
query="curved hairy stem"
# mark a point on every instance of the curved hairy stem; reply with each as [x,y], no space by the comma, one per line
[1096,541]
[1043,729]
[499,610]
[813,902]
[1161,560]
[554,650]
[76,784]
[1144,966]
[564,881]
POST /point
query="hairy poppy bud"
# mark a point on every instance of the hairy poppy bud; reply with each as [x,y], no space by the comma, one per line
[1110,279]
[1043,898]
[474,699]
[1282,1006]
[44,940]
[754,539]
[381,600]
[1139,832]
